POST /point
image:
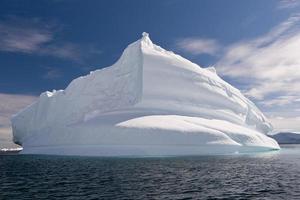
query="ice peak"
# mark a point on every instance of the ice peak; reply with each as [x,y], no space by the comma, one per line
[144,34]
[212,69]
[146,39]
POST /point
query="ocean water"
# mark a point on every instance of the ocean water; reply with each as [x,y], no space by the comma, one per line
[259,176]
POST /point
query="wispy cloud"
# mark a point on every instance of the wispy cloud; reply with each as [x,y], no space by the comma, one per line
[13,39]
[197,46]
[281,101]
[36,37]
[10,104]
[64,50]
[52,73]
[269,64]
[286,4]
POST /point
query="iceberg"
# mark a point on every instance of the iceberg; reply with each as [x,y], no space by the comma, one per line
[151,102]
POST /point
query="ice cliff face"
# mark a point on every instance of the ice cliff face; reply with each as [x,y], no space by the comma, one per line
[150,102]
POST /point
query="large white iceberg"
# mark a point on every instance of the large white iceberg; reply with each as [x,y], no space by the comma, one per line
[151,102]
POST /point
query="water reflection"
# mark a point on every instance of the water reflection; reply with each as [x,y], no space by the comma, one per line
[271,175]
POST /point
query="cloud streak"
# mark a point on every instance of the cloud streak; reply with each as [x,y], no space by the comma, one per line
[52,73]
[270,64]
[12,39]
[197,46]
[35,37]
[288,4]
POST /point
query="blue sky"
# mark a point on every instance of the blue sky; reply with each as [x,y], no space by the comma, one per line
[253,44]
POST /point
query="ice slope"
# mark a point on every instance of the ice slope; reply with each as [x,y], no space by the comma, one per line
[150,102]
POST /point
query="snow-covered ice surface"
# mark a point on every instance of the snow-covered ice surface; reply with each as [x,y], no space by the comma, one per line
[10,149]
[151,102]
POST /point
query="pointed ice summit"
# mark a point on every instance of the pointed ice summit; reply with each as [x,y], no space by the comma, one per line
[151,102]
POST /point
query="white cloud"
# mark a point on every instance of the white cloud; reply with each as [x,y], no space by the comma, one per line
[64,50]
[197,46]
[53,73]
[10,104]
[287,4]
[281,101]
[270,64]
[25,41]
[26,36]
[32,36]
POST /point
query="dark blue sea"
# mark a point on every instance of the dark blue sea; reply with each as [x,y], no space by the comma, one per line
[259,176]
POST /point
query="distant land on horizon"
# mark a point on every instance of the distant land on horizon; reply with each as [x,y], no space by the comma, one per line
[287,137]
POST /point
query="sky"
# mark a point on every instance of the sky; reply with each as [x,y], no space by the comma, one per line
[253,44]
